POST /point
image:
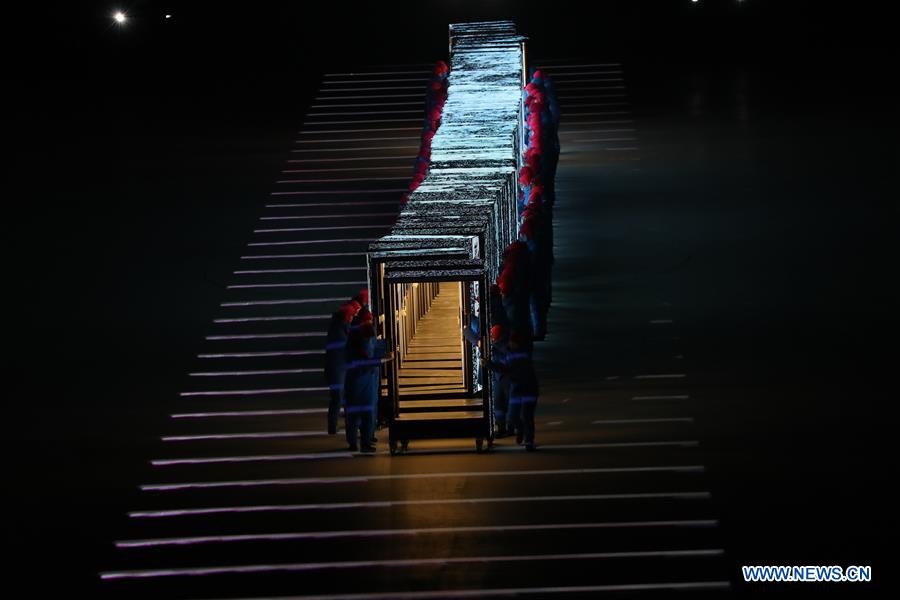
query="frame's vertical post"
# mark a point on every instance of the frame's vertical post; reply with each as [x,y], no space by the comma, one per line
[376,297]
[467,351]
[403,305]
[487,392]
[393,380]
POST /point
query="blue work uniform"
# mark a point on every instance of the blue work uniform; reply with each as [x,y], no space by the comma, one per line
[335,366]
[500,384]
[523,392]
[361,387]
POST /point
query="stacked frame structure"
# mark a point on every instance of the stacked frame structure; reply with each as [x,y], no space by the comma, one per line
[458,220]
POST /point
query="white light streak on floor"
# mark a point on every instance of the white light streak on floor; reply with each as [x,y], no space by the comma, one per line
[399,159]
[257,458]
[325,228]
[283,301]
[363,139]
[246,286]
[305,242]
[362,149]
[161,487]
[265,435]
[264,353]
[353,215]
[254,392]
[366,130]
[362,533]
[341,179]
[373,504]
[250,413]
[361,121]
[308,255]
[413,562]
[637,421]
[331,204]
[264,336]
[251,373]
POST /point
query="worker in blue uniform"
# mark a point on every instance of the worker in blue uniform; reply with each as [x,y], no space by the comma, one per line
[499,379]
[363,367]
[362,298]
[335,360]
[523,388]
[379,350]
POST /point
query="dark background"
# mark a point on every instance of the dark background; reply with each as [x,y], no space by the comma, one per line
[141,155]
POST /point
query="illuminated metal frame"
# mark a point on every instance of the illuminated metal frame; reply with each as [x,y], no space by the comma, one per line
[463,215]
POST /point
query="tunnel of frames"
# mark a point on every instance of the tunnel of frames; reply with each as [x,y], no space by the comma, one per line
[472,247]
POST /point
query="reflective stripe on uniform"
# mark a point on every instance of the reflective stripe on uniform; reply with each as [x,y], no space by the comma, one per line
[523,399]
[368,362]
[336,345]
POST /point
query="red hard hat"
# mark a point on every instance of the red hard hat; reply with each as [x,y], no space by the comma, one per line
[496,333]
[348,311]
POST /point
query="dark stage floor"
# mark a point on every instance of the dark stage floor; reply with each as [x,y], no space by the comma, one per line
[718,366]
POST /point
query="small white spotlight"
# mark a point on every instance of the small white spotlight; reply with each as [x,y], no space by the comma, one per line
[168,16]
[120,17]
